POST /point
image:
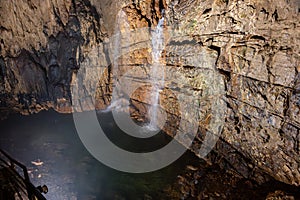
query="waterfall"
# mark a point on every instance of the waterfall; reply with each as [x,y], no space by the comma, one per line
[120,48]
[157,73]
[120,41]
[120,45]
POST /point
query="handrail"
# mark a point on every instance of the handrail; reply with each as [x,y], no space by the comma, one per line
[31,189]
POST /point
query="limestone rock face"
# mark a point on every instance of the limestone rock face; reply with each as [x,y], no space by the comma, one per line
[258,46]
[42,43]
[231,71]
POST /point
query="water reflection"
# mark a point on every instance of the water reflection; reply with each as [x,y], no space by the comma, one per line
[69,171]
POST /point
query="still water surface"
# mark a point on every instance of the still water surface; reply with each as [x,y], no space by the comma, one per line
[70,172]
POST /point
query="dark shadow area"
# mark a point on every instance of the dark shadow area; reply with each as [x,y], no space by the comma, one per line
[15,182]
[128,142]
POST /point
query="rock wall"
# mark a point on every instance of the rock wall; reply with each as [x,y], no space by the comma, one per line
[258,44]
[42,43]
[237,61]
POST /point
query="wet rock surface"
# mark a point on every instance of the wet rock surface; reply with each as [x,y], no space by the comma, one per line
[244,53]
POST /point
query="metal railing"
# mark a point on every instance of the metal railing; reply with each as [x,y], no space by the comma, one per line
[22,183]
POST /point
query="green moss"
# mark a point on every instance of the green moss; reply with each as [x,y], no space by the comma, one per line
[244,51]
[193,24]
[243,15]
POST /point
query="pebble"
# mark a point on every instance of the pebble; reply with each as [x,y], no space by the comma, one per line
[190,167]
[37,163]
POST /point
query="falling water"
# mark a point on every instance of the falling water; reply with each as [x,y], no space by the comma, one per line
[120,41]
[120,46]
[157,73]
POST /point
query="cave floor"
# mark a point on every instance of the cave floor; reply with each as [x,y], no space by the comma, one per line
[47,143]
